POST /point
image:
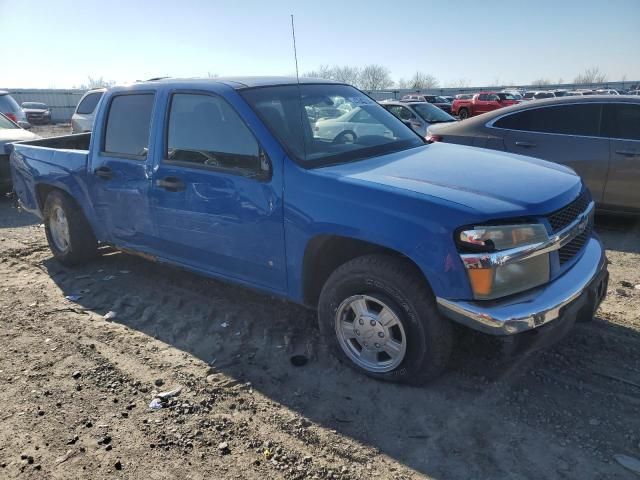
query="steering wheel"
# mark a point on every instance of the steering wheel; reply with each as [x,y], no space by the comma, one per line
[346,136]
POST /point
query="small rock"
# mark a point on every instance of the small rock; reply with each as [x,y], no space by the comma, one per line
[622,292]
[88,424]
[626,284]
[118,465]
[76,375]
[159,382]
[223,448]
[108,447]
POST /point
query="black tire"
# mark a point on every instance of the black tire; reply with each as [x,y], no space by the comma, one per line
[82,245]
[396,282]
[463,114]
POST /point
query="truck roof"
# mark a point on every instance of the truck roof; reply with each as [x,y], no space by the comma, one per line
[242,82]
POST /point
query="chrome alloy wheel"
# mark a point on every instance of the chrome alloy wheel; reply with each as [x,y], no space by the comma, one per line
[370,334]
[59,229]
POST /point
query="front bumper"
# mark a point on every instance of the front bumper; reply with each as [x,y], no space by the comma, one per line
[581,288]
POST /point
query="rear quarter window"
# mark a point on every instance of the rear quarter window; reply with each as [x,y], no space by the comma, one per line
[622,121]
[88,104]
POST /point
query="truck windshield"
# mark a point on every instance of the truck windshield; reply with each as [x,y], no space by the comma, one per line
[305,121]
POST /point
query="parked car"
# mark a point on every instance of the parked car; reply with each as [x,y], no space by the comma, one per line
[436,100]
[390,239]
[9,132]
[569,131]
[633,92]
[481,103]
[10,108]
[607,91]
[448,98]
[464,96]
[349,127]
[82,118]
[37,113]
[418,115]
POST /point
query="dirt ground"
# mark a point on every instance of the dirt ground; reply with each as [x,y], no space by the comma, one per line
[75,388]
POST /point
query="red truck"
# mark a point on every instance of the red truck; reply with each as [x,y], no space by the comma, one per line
[481,103]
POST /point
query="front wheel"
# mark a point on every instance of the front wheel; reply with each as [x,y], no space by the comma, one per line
[378,314]
[463,114]
[68,232]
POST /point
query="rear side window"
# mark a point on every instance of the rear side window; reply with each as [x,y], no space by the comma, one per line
[622,120]
[88,104]
[205,131]
[128,122]
[8,104]
[561,119]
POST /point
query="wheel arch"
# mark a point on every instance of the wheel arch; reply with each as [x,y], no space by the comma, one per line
[325,253]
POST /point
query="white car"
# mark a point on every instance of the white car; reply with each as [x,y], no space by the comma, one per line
[82,119]
[348,127]
[607,91]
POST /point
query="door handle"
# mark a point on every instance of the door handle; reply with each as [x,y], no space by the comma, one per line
[525,144]
[103,172]
[171,184]
[628,153]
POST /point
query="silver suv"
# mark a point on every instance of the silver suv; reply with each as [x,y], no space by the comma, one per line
[82,119]
[12,110]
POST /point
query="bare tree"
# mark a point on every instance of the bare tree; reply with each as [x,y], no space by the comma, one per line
[323,71]
[375,77]
[346,74]
[96,83]
[460,83]
[212,75]
[419,81]
[591,75]
[541,82]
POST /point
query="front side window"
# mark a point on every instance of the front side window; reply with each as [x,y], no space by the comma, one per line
[581,120]
[88,103]
[205,131]
[367,129]
[128,125]
[483,97]
[622,121]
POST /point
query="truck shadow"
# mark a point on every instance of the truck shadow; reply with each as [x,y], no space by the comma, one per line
[487,417]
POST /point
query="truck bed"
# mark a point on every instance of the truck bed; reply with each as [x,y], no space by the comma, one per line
[56,161]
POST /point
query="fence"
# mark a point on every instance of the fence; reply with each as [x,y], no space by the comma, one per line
[61,102]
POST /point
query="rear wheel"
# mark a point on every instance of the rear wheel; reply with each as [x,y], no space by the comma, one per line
[68,232]
[378,314]
[463,114]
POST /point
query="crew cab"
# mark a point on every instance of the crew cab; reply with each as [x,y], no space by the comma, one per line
[481,103]
[389,238]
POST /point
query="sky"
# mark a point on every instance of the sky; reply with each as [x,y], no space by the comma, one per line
[60,43]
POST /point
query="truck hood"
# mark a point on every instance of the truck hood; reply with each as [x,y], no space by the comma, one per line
[493,183]
[8,135]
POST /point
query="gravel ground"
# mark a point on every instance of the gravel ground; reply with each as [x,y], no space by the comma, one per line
[76,387]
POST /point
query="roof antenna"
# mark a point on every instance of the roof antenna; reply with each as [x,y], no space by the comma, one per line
[295,56]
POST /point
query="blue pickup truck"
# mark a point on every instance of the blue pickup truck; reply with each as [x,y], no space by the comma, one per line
[392,240]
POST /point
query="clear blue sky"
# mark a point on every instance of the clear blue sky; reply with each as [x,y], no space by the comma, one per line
[59,43]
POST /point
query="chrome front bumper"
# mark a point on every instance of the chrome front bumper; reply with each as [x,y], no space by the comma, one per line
[539,306]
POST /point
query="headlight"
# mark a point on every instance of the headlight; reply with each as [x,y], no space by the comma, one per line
[491,269]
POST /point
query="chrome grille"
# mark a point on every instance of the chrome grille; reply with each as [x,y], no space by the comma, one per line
[563,217]
[567,252]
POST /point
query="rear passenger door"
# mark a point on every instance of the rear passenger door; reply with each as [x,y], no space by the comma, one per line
[216,200]
[120,171]
[622,126]
[567,134]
